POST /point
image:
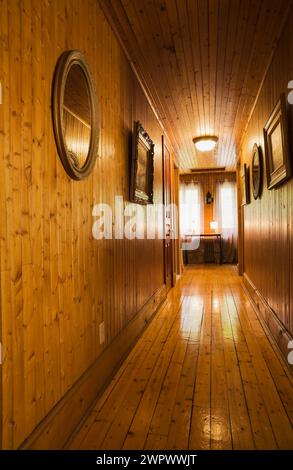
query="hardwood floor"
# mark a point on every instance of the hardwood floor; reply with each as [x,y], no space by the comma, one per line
[204,375]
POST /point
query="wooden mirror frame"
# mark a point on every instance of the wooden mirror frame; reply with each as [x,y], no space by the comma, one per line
[245,185]
[64,64]
[257,189]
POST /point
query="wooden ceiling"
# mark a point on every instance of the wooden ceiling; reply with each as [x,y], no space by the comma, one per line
[202,63]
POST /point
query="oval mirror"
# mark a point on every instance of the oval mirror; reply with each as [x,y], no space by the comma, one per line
[257,174]
[75,115]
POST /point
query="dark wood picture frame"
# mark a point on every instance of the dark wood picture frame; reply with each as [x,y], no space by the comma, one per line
[256,171]
[142,166]
[245,185]
[66,61]
[278,167]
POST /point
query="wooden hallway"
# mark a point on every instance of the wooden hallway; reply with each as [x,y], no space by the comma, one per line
[203,375]
[146,228]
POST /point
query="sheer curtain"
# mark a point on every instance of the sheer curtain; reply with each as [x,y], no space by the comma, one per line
[226,216]
[191,210]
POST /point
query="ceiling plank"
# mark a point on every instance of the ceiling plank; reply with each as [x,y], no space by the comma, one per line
[202,63]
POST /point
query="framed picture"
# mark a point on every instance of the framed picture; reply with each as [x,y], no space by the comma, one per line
[245,185]
[142,166]
[277,145]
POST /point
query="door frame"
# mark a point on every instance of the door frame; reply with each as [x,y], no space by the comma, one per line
[240,221]
[164,145]
[177,251]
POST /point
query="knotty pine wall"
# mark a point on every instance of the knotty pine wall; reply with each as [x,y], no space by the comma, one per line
[268,222]
[57,283]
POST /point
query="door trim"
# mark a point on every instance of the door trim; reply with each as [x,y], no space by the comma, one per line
[164,212]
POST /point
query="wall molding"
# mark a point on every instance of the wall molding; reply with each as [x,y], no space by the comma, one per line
[57,427]
[269,319]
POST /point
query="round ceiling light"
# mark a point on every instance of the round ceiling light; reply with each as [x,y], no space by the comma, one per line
[205,143]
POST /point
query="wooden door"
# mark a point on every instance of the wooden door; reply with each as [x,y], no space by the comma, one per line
[167,197]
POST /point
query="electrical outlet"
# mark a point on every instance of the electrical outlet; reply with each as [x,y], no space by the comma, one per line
[102,332]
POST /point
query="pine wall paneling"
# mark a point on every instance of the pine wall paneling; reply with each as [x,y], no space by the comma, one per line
[57,283]
[268,223]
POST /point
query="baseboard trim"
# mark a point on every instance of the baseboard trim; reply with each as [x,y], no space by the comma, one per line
[56,428]
[277,330]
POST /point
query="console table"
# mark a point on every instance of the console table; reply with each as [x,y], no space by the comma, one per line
[216,237]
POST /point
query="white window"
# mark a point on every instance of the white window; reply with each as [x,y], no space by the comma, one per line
[190,209]
[227,207]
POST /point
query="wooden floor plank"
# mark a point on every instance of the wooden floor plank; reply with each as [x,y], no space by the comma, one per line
[113,419]
[200,429]
[178,437]
[261,427]
[220,421]
[241,432]
[173,352]
[204,375]
[278,417]
[156,442]
[279,371]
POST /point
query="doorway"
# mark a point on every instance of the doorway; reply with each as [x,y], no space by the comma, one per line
[208,217]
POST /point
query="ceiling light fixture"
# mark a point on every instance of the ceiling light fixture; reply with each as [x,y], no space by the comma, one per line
[205,143]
